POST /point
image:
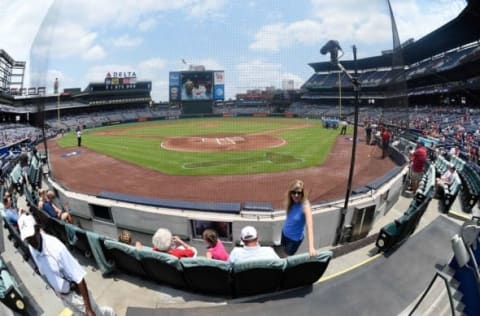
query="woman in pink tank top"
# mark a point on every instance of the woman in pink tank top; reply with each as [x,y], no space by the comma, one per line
[215,249]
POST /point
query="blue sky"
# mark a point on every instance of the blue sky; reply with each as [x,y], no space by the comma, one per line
[257,42]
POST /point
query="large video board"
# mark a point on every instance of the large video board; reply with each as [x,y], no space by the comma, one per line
[196,85]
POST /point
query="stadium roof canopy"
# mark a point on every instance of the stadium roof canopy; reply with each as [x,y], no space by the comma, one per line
[464,29]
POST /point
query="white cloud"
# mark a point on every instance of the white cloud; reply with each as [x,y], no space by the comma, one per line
[147,24]
[326,23]
[66,41]
[416,21]
[200,8]
[276,36]
[351,21]
[73,26]
[17,36]
[151,69]
[258,74]
[121,13]
[127,41]
[209,63]
[94,53]
[118,13]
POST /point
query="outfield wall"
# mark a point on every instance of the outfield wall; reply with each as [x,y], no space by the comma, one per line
[143,220]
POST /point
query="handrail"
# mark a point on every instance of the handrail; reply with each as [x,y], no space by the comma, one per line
[444,278]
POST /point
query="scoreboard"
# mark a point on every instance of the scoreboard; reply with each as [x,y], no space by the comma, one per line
[196,85]
[120,80]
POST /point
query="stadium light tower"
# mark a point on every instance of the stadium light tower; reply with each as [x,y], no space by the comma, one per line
[333,48]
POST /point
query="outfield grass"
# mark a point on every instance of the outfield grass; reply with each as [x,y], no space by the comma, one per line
[140,144]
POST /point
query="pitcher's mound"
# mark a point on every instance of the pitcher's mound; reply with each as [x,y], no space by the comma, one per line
[233,142]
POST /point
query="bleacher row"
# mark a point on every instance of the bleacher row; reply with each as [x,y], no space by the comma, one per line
[10,294]
[99,118]
[194,274]
[470,179]
[394,233]
[382,77]
[466,184]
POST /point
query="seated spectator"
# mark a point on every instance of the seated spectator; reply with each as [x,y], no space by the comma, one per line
[24,164]
[126,238]
[7,194]
[11,213]
[215,248]
[55,211]
[41,198]
[445,180]
[163,241]
[251,248]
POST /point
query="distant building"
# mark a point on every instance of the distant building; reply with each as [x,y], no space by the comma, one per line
[11,74]
[288,84]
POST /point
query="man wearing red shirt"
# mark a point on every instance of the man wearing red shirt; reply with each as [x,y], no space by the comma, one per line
[386,135]
[419,161]
[163,241]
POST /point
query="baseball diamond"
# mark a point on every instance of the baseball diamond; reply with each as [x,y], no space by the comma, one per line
[95,170]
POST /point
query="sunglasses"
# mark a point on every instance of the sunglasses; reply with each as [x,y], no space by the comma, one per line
[296,192]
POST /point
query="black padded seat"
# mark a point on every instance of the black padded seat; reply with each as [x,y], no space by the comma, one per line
[13,234]
[207,275]
[79,239]
[125,258]
[302,270]
[162,267]
[57,228]
[257,276]
[42,218]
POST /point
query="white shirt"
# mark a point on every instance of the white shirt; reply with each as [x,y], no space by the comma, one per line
[448,177]
[256,252]
[57,264]
[79,134]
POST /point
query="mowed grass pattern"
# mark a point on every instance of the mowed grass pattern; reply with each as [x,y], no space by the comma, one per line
[307,144]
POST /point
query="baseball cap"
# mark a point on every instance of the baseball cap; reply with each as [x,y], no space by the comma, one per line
[26,225]
[248,233]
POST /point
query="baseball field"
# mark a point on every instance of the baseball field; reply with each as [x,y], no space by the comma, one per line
[214,159]
[213,146]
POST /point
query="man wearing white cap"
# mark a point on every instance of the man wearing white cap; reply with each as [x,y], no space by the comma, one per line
[251,248]
[60,269]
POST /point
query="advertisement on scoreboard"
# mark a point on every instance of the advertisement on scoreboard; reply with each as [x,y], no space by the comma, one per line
[174,86]
[219,85]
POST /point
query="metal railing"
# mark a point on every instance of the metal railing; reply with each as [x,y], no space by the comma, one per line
[449,292]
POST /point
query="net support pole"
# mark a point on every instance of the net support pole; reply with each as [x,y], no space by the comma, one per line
[356,87]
